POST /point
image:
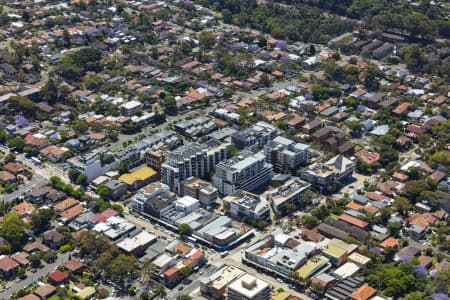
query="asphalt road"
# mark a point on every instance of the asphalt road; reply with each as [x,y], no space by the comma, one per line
[34,277]
[36,181]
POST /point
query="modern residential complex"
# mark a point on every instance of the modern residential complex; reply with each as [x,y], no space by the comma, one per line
[285,154]
[256,136]
[192,160]
[323,175]
[246,170]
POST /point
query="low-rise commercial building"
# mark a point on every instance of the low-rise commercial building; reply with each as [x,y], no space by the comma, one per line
[138,244]
[147,193]
[289,192]
[244,204]
[323,175]
[199,189]
[249,287]
[130,108]
[93,164]
[215,285]
[139,177]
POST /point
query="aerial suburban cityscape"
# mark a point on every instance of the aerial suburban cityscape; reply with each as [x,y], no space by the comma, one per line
[227,149]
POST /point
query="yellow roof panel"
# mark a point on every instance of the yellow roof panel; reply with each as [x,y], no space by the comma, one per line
[140,174]
[311,266]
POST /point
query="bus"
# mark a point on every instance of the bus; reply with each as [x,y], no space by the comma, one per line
[35,161]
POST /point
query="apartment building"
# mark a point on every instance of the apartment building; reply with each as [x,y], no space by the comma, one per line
[323,175]
[246,170]
[192,160]
[285,154]
[256,136]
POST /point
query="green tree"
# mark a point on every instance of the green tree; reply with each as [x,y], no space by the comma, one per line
[102,191]
[35,260]
[402,205]
[73,174]
[16,143]
[123,167]
[184,229]
[82,179]
[160,290]
[206,40]
[186,271]
[265,81]
[40,219]
[413,57]
[184,297]
[49,92]
[13,229]
[371,76]
[80,127]
[2,135]
[310,221]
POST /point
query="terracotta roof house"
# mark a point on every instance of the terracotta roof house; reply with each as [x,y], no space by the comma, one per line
[58,277]
[353,221]
[296,121]
[8,267]
[71,213]
[35,246]
[73,266]
[369,157]
[364,292]
[45,291]
[29,297]
[53,153]
[438,175]
[400,177]
[36,141]
[426,261]
[103,216]
[5,176]
[312,235]
[13,168]
[21,258]
[390,242]
[401,109]
[66,204]
[23,209]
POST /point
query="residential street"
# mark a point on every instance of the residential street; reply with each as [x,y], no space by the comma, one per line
[33,277]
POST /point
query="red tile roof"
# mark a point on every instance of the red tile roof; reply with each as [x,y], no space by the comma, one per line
[7,264]
[73,265]
[6,176]
[104,215]
[353,221]
[30,297]
[171,271]
[364,292]
[58,276]
[390,242]
[72,212]
[13,167]
[45,290]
